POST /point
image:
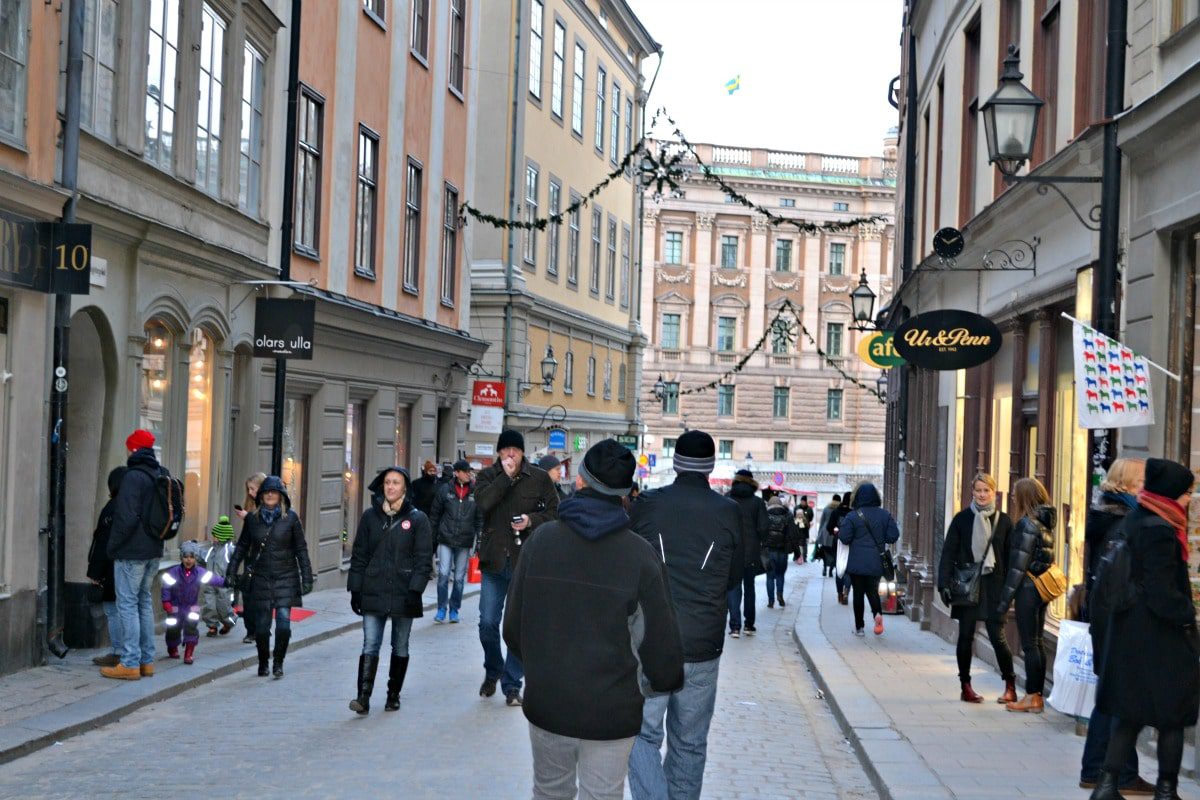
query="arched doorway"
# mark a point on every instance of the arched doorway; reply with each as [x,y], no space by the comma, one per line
[90,375]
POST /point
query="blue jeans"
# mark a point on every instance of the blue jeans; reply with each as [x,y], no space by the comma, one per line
[688,713]
[734,600]
[283,621]
[777,564]
[114,625]
[492,595]
[373,634]
[133,581]
[1100,730]
[452,558]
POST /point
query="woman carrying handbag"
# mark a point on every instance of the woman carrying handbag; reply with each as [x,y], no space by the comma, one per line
[970,579]
[868,529]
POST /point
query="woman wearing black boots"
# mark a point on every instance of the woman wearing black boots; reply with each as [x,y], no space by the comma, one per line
[979,535]
[390,564]
[278,571]
[1149,673]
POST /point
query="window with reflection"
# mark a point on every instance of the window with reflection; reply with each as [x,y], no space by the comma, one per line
[352,474]
[198,466]
[295,450]
[156,378]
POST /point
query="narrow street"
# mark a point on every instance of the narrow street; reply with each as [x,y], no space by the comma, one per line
[244,736]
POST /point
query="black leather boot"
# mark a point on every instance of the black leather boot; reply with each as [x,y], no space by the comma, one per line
[1165,789]
[398,668]
[367,665]
[264,655]
[281,645]
[1106,788]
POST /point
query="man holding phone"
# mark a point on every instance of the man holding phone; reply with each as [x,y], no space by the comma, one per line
[516,497]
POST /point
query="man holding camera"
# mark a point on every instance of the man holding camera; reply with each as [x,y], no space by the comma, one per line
[516,497]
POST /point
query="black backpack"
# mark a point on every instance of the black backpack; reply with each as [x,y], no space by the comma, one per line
[163,513]
[1113,589]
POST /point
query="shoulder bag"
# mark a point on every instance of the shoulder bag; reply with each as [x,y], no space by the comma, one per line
[885,555]
[1051,584]
[965,578]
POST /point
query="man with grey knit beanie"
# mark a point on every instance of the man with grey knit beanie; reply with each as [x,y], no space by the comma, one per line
[697,534]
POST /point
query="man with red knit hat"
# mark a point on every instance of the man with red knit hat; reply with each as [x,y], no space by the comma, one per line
[135,555]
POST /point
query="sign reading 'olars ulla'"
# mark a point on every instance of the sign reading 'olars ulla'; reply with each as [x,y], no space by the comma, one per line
[947,339]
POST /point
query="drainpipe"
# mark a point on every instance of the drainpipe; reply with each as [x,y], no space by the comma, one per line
[56,526]
[511,233]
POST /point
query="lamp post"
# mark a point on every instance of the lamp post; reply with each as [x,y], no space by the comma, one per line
[549,369]
[881,384]
[862,303]
[660,388]
[1010,118]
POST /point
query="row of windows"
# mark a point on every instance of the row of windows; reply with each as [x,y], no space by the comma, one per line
[605,97]
[590,385]
[418,41]
[670,336]
[673,253]
[779,450]
[307,227]
[790,202]
[780,401]
[603,259]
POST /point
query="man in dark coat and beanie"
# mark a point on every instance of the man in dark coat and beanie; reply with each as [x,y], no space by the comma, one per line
[424,489]
[1148,668]
[516,498]
[135,554]
[588,611]
[698,535]
[754,527]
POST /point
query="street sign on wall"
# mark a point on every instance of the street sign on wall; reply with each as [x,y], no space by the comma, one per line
[558,439]
[487,407]
[948,339]
[284,328]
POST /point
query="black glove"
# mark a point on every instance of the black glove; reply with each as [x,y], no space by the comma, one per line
[232,581]
[945,593]
[306,587]
[414,606]
[356,602]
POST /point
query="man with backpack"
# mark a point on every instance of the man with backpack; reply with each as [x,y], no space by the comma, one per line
[136,554]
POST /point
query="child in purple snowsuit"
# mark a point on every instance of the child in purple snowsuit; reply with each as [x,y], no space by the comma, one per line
[181,587]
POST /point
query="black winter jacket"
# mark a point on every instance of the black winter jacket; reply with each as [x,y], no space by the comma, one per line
[754,525]
[587,611]
[455,523]
[501,498]
[422,493]
[957,550]
[276,561]
[1030,550]
[783,534]
[100,566]
[128,541]
[697,532]
[392,556]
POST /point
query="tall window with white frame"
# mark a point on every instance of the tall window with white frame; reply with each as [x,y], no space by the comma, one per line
[729,252]
[668,446]
[780,343]
[569,373]
[833,339]
[536,21]
[614,125]
[14,66]
[577,91]
[601,92]
[419,39]
[781,451]
[160,82]
[591,376]
[670,332]
[376,8]
[622,383]
[670,398]
[628,127]
[594,279]
[725,400]
[311,119]
[837,258]
[531,212]
[783,255]
[251,155]
[449,245]
[412,228]
[726,333]
[673,248]
[626,236]
[834,453]
[365,202]
[833,404]
[780,401]
[725,448]
[554,228]
[610,277]
[99,66]
[208,114]
[608,380]
[458,43]
[558,67]
[573,245]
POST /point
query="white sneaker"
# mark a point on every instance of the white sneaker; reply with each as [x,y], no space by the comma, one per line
[736,634]
[859,632]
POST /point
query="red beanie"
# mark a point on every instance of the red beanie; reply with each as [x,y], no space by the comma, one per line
[139,439]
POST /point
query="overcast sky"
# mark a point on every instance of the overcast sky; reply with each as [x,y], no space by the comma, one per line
[814,73]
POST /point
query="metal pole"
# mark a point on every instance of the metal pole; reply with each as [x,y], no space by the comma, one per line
[910,153]
[285,225]
[517,97]
[56,541]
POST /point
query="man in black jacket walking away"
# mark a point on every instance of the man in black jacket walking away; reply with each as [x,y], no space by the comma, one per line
[457,520]
[697,533]
[753,510]
[588,610]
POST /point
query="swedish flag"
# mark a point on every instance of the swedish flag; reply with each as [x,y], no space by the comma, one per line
[733,85]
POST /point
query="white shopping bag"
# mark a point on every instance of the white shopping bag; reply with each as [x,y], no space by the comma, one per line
[1074,681]
[843,557]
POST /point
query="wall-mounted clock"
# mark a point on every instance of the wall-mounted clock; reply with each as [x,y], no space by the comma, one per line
[948,242]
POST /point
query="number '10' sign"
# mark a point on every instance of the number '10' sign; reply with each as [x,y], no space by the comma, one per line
[45,256]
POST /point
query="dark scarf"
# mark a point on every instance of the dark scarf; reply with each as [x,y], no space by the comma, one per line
[1121,498]
[269,515]
[1172,512]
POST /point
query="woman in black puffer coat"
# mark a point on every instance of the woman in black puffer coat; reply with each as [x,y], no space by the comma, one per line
[1030,552]
[278,571]
[390,565]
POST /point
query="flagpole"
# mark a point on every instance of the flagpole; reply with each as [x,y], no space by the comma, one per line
[1161,369]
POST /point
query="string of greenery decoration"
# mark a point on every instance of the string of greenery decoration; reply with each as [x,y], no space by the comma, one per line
[782,327]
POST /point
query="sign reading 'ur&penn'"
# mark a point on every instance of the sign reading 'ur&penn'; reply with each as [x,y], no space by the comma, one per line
[948,339]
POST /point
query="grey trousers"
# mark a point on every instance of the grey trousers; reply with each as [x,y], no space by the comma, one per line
[601,766]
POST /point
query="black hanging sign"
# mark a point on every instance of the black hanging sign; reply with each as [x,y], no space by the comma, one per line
[948,339]
[284,328]
[45,256]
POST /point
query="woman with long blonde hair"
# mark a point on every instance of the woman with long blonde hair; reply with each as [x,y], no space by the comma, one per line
[1030,552]
[248,506]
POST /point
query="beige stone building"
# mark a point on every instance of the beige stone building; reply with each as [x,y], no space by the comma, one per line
[570,288]
[714,276]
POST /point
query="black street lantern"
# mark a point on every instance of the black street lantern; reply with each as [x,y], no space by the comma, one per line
[660,388]
[549,369]
[862,302]
[881,384]
[1010,118]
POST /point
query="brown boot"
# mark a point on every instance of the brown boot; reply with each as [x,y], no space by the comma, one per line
[1010,692]
[1030,703]
[842,597]
[969,695]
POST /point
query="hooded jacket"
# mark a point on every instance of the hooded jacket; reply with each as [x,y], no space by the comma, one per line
[422,492]
[782,532]
[697,533]
[754,524]
[866,529]
[100,566]
[590,618]
[1030,550]
[392,553]
[181,587]
[275,555]
[501,498]
[456,521]
[128,541]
